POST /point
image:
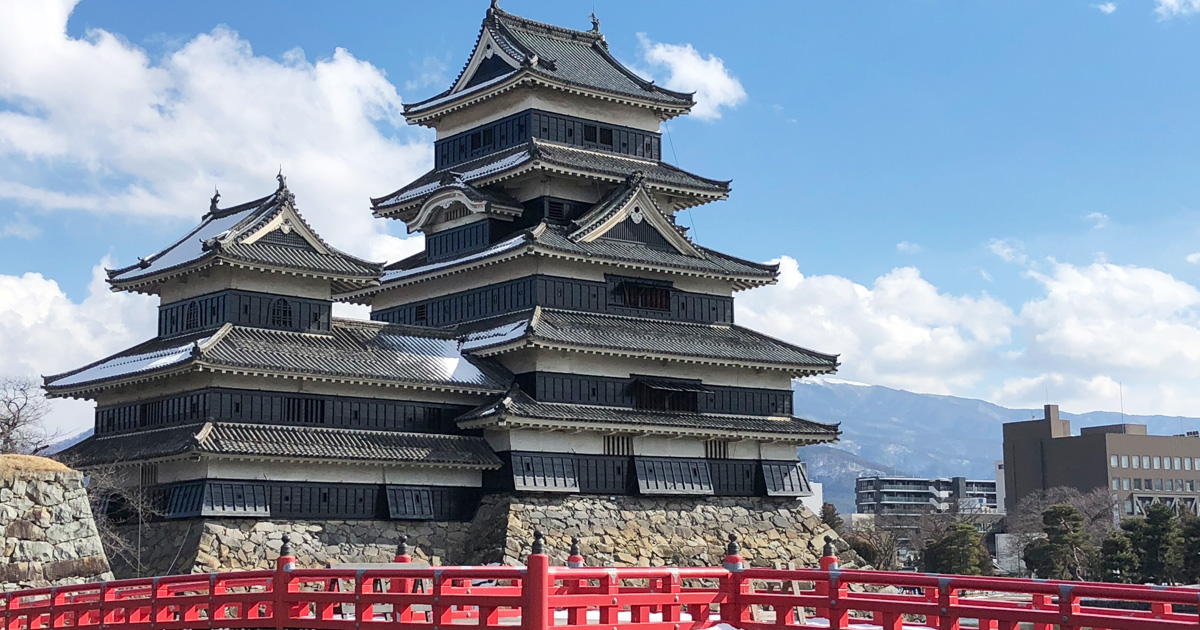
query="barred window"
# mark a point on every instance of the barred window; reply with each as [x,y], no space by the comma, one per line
[618,445]
[149,474]
[638,295]
[716,449]
[193,317]
[281,313]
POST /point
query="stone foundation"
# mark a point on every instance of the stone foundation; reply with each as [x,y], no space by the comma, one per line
[50,537]
[613,530]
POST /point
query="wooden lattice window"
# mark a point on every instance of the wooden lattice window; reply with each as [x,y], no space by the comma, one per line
[716,449]
[149,474]
[193,317]
[281,313]
[618,445]
[647,296]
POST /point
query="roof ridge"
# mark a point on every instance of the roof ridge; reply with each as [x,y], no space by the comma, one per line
[503,16]
[344,430]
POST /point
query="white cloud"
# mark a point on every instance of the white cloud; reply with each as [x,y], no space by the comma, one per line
[1009,250]
[1099,220]
[20,227]
[1106,8]
[905,247]
[900,332]
[1167,9]
[42,331]
[1193,257]
[110,130]
[714,85]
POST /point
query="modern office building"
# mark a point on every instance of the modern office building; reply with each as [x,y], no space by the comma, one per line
[1140,469]
[908,496]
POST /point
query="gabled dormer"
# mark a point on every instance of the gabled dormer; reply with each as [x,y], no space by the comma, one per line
[629,213]
[513,52]
[255,264]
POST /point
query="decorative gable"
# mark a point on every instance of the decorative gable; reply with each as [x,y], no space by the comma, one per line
[488,61]
[629,213]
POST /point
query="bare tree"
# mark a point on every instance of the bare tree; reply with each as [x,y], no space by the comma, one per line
[1098,508]
[118,505]
[23,408]
[878,538]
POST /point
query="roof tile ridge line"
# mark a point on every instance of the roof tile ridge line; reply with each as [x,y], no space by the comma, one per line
[220,213]
[631,158]
[747,261]
[613,201]
[144,262]
[322,241]
[201,348]
[670,413]
[543,248]
[115,355]
[203,434]
[336,430]
[645,83]
[831,357]
[588,35]
[272,204]
[553,311]
[463,70]
[495,157]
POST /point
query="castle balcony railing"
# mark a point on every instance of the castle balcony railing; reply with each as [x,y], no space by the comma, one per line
[540,596]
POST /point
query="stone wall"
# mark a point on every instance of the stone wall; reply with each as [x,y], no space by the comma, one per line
[50,537]
[614,530]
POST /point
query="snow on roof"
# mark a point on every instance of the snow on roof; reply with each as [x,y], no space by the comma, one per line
[131,364]
[188,248]
[493,336]
[503,246]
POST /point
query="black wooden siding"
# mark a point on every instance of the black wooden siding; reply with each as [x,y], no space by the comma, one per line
[244,308]
[513,130]
[615,474]
[553,292]
[463,239]
[672,475]
[638,232]
[785,479]
[302,500]
[617,392]
[259,407]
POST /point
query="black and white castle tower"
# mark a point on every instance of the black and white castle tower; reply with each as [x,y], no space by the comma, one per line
[560,334]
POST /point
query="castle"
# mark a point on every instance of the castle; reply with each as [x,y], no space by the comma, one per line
[560,337]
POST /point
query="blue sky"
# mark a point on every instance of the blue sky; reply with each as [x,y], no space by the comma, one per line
[993,199]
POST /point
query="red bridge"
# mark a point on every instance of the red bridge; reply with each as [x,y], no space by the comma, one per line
[540,596]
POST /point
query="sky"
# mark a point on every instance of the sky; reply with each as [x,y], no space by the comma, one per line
[997,200]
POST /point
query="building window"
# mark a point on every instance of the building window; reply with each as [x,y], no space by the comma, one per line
[1137,461]
[1178,485]
[716,449]
[1124,461]
[281,313]
[1191,486]
[1166,463]
[1114,461]
[647,296]
[1137,484]
[1158,484]
[1157,463]
[193,317]
[1146,462]
[1125,483]
[618,445]
[1178,463]
[421,313]
[1129,507]
[1116,483]
[149,474]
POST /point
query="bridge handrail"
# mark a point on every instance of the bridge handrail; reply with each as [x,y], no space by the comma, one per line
[577,597]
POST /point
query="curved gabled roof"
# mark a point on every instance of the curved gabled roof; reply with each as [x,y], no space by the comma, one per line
[225,233]
[561,57]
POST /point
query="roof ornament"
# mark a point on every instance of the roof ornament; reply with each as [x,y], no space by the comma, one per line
[284,195]
[212,203]
[495,4]
[595,22]
[282,180]
[635,178]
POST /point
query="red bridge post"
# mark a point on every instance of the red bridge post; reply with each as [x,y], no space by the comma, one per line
[733,608]
[535,588]
[403,613]
[282,582]
[832,589]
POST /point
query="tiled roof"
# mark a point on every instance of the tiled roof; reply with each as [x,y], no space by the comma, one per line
[576,58]
[519,405]
[289,441]
[550,156]
[354,350]
[554,240]
[719,343]
[221,234]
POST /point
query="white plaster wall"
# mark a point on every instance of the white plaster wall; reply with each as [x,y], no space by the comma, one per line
[555,442]
[548,100]
[659,446]
[221,278]
[774,450]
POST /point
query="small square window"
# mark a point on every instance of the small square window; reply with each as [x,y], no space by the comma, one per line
[1116,483]
[1114,461]
[1125,483]
[589,133]
[1124,461]
[606,136]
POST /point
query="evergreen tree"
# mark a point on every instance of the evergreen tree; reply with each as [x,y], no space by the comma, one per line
[959,551]
[1118,559]
[1189,531]
[1066,553]
[830,516]
[1157,542]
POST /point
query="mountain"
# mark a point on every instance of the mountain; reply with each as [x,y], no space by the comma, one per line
[66,442]
[921,434]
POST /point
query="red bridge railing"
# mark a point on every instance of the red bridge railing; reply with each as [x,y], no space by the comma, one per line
[539,596]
